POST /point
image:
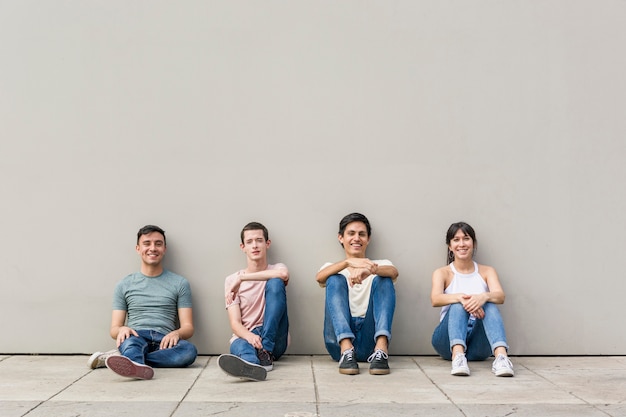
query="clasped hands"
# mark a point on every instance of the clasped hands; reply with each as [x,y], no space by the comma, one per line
[473,304]
[359,269]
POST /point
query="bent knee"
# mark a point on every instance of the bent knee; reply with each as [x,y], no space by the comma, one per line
[336,280]
[191,353]
[275,283]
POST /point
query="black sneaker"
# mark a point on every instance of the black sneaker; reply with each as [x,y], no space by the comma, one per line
[348,364]
[237,367]
[378,363]
[266,359]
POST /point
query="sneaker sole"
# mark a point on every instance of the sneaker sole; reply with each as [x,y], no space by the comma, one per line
[123,366]
[504,372]
[235,366]
[460,372]
[349,371]
[379,371]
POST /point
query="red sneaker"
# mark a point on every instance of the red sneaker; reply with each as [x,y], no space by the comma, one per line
[123,366]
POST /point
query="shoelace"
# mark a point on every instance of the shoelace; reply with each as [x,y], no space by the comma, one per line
[458,360]
[107,354]
[348,354]
[377,355]
[503,361]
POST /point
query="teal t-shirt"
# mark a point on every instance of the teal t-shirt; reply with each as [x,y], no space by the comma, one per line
[152,303]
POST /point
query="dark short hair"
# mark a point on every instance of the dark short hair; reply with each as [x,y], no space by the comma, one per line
[354,217]
[147,229]
[255,226]
[452,230]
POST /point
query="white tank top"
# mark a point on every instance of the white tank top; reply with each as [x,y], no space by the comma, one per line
[472,283]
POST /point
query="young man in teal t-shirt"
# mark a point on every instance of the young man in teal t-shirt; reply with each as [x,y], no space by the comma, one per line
[152,315]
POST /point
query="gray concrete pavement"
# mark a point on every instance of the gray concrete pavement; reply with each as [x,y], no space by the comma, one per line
[301,386]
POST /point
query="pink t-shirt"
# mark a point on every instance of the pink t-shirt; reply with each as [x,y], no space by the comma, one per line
[251,299]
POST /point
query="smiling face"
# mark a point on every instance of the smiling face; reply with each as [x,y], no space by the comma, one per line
[254,245]
[462,246]
[355,240]
[151,248]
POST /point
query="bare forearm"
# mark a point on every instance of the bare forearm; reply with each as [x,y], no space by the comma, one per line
[333,269]
[388,271]
[239,330]
[265,275]
[115,330]
[496,297]
[440,300]
[185,332]
[118,321]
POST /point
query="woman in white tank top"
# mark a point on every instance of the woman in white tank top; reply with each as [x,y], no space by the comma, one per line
[470,327]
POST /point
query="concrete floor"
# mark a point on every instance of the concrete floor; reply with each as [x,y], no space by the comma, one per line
[302,386]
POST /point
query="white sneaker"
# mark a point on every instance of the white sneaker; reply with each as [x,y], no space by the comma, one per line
[502,366]
[97,360]
[459,365]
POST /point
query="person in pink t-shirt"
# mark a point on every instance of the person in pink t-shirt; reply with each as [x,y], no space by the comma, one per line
[256,302]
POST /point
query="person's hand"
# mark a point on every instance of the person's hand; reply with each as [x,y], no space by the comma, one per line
[357,275]
[169,340]
[359,269]
[473,304]
[255,340]
[479,314]
[283,274]
[363,263]
[124,333]
[233,290]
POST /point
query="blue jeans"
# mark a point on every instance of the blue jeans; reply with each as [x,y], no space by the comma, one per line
[363,331]
[145,349]
[479,337]
[274,331]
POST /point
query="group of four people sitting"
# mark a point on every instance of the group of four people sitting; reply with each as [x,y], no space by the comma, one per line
[152,311]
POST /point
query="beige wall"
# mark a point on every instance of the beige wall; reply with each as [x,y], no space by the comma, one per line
[200,116]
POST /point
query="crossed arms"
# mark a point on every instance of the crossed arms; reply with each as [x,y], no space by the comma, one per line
[472,303]
[359,269]
[234,310]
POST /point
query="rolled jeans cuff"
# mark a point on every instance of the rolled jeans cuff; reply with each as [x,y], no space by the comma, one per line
[455,342]
[499,344]
[383,333]
[342,336]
